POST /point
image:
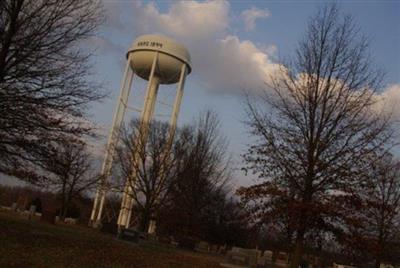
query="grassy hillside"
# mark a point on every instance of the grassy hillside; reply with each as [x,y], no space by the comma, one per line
[26,243]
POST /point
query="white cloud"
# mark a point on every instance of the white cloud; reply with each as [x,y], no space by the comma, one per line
[221,62]
[237,65]
[249,16]
[390,100]
[184,19]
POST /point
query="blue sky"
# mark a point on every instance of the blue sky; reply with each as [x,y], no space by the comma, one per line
[233,46]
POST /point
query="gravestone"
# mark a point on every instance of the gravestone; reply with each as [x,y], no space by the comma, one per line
[222,249]
[32,211]
[388,265]
[281,259]
[71,220]
[268,255]
[173,242]
[14,206]
[242,257]
[253,254]
[265,259]
[235,249]
[129,235]
[335,265]
[237,258]
[203,247]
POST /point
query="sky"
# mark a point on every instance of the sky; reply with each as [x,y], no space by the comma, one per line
[234,45]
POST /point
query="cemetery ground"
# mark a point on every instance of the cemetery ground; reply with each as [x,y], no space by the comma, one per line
[30,243]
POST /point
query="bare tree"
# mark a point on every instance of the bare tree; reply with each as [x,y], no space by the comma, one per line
[373,232]
[44,77]
[71,173]
[188,178]
[316,124]
[147,165]
[203,177]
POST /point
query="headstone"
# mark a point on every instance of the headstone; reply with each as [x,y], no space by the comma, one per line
[32,211]
[268,255]
[173,242]
[14,206]
[335,265]
[71,220]
[129,235]
[222,249]
[202,246]
[242,257]
[152,237]
[235,249]
[25,214]
[265,259]
[253,254]
[214,249]
[237,258]
[387,265]
[281,259]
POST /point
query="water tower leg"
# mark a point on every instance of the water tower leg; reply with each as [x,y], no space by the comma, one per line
[123,202]
[172,129]
[128,217]
[152,227]
[147,113]
[98,204]
[101,207]
[144,129]
[177,106]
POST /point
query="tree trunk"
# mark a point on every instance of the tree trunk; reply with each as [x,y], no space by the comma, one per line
[63,202]
[298,251]
[144,221]
[65,211]
[67,201]
[377,262]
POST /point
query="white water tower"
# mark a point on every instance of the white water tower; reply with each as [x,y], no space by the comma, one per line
[159,60]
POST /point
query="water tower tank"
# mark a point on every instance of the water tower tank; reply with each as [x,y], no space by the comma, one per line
[171,56]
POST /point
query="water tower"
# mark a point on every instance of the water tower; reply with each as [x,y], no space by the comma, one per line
[159,60]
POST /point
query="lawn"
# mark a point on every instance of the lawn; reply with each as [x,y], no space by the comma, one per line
[25,243]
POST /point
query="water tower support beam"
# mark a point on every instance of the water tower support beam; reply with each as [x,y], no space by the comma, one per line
[147,114]
[171,134]
[111,144]
[177,106]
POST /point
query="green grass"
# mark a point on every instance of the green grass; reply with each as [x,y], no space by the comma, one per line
[25,243]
